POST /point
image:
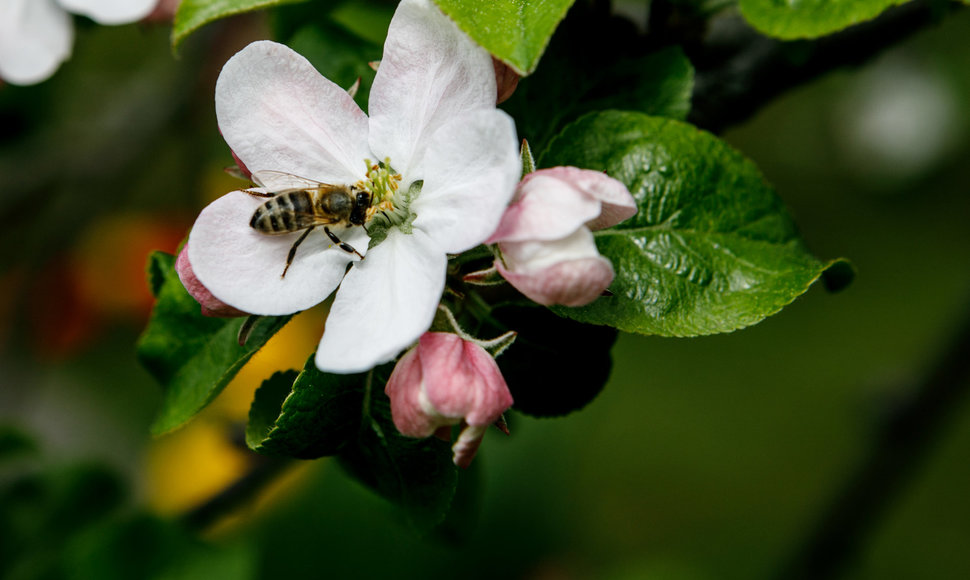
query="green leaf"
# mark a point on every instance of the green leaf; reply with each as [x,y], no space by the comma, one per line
[192,356]
[581,77]
[193,14]
[461,522]
[657,84]
[514,31]
[810,18]
[307,415]
[417,475]
[541,365]
[712,248]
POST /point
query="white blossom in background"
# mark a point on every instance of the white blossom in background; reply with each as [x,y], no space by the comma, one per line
[548,251]
[36,35]
[432,119]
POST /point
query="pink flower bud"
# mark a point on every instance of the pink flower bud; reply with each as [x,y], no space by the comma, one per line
[446,380]
[548,251]
[211,306]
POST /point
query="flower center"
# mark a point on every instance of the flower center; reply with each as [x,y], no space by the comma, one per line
[390,205]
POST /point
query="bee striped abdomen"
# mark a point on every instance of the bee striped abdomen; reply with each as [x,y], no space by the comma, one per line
[287,212]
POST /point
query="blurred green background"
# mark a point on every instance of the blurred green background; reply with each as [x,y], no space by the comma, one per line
[702,458]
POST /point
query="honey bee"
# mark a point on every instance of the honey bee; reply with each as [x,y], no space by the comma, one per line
[297,203]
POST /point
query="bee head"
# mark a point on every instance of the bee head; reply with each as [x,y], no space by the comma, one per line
[358,215]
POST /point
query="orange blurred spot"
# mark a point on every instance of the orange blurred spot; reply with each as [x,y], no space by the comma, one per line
[111,259]
[102,279]
[61,319]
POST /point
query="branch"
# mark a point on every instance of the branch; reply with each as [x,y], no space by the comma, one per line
[738,70]
[899,448]
[237,494]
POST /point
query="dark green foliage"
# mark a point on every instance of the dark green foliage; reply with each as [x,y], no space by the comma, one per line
[555,366]
[306,415]
[417,475]
[191,355]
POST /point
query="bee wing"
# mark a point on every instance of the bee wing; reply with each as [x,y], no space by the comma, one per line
[280,181]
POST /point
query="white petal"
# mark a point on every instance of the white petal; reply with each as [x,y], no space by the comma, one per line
[243,267]
[384,304]
[471,170]
[532,256]
[111,11]
[278,113]
[430,73]
[35,38]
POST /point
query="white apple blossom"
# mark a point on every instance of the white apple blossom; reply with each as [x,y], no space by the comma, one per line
[36,35]
[432,119]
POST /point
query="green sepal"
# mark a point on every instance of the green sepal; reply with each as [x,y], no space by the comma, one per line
[712,248]
[305,415]
[193,356]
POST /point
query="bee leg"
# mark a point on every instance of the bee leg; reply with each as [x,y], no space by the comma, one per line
[259,193]
[342,245]
[292,254]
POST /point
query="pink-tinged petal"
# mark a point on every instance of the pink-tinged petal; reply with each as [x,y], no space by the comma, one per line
[465,448]
[164,11]
[470,173]
[242,166]
[461,380]
[546,208]
[506,80]
[384,303]
[431,72]
[276,112]
[570,283]
[446,380]
[617,202]
[211,306]
[411,418]
[110,11]
[35,38]
[243,267]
